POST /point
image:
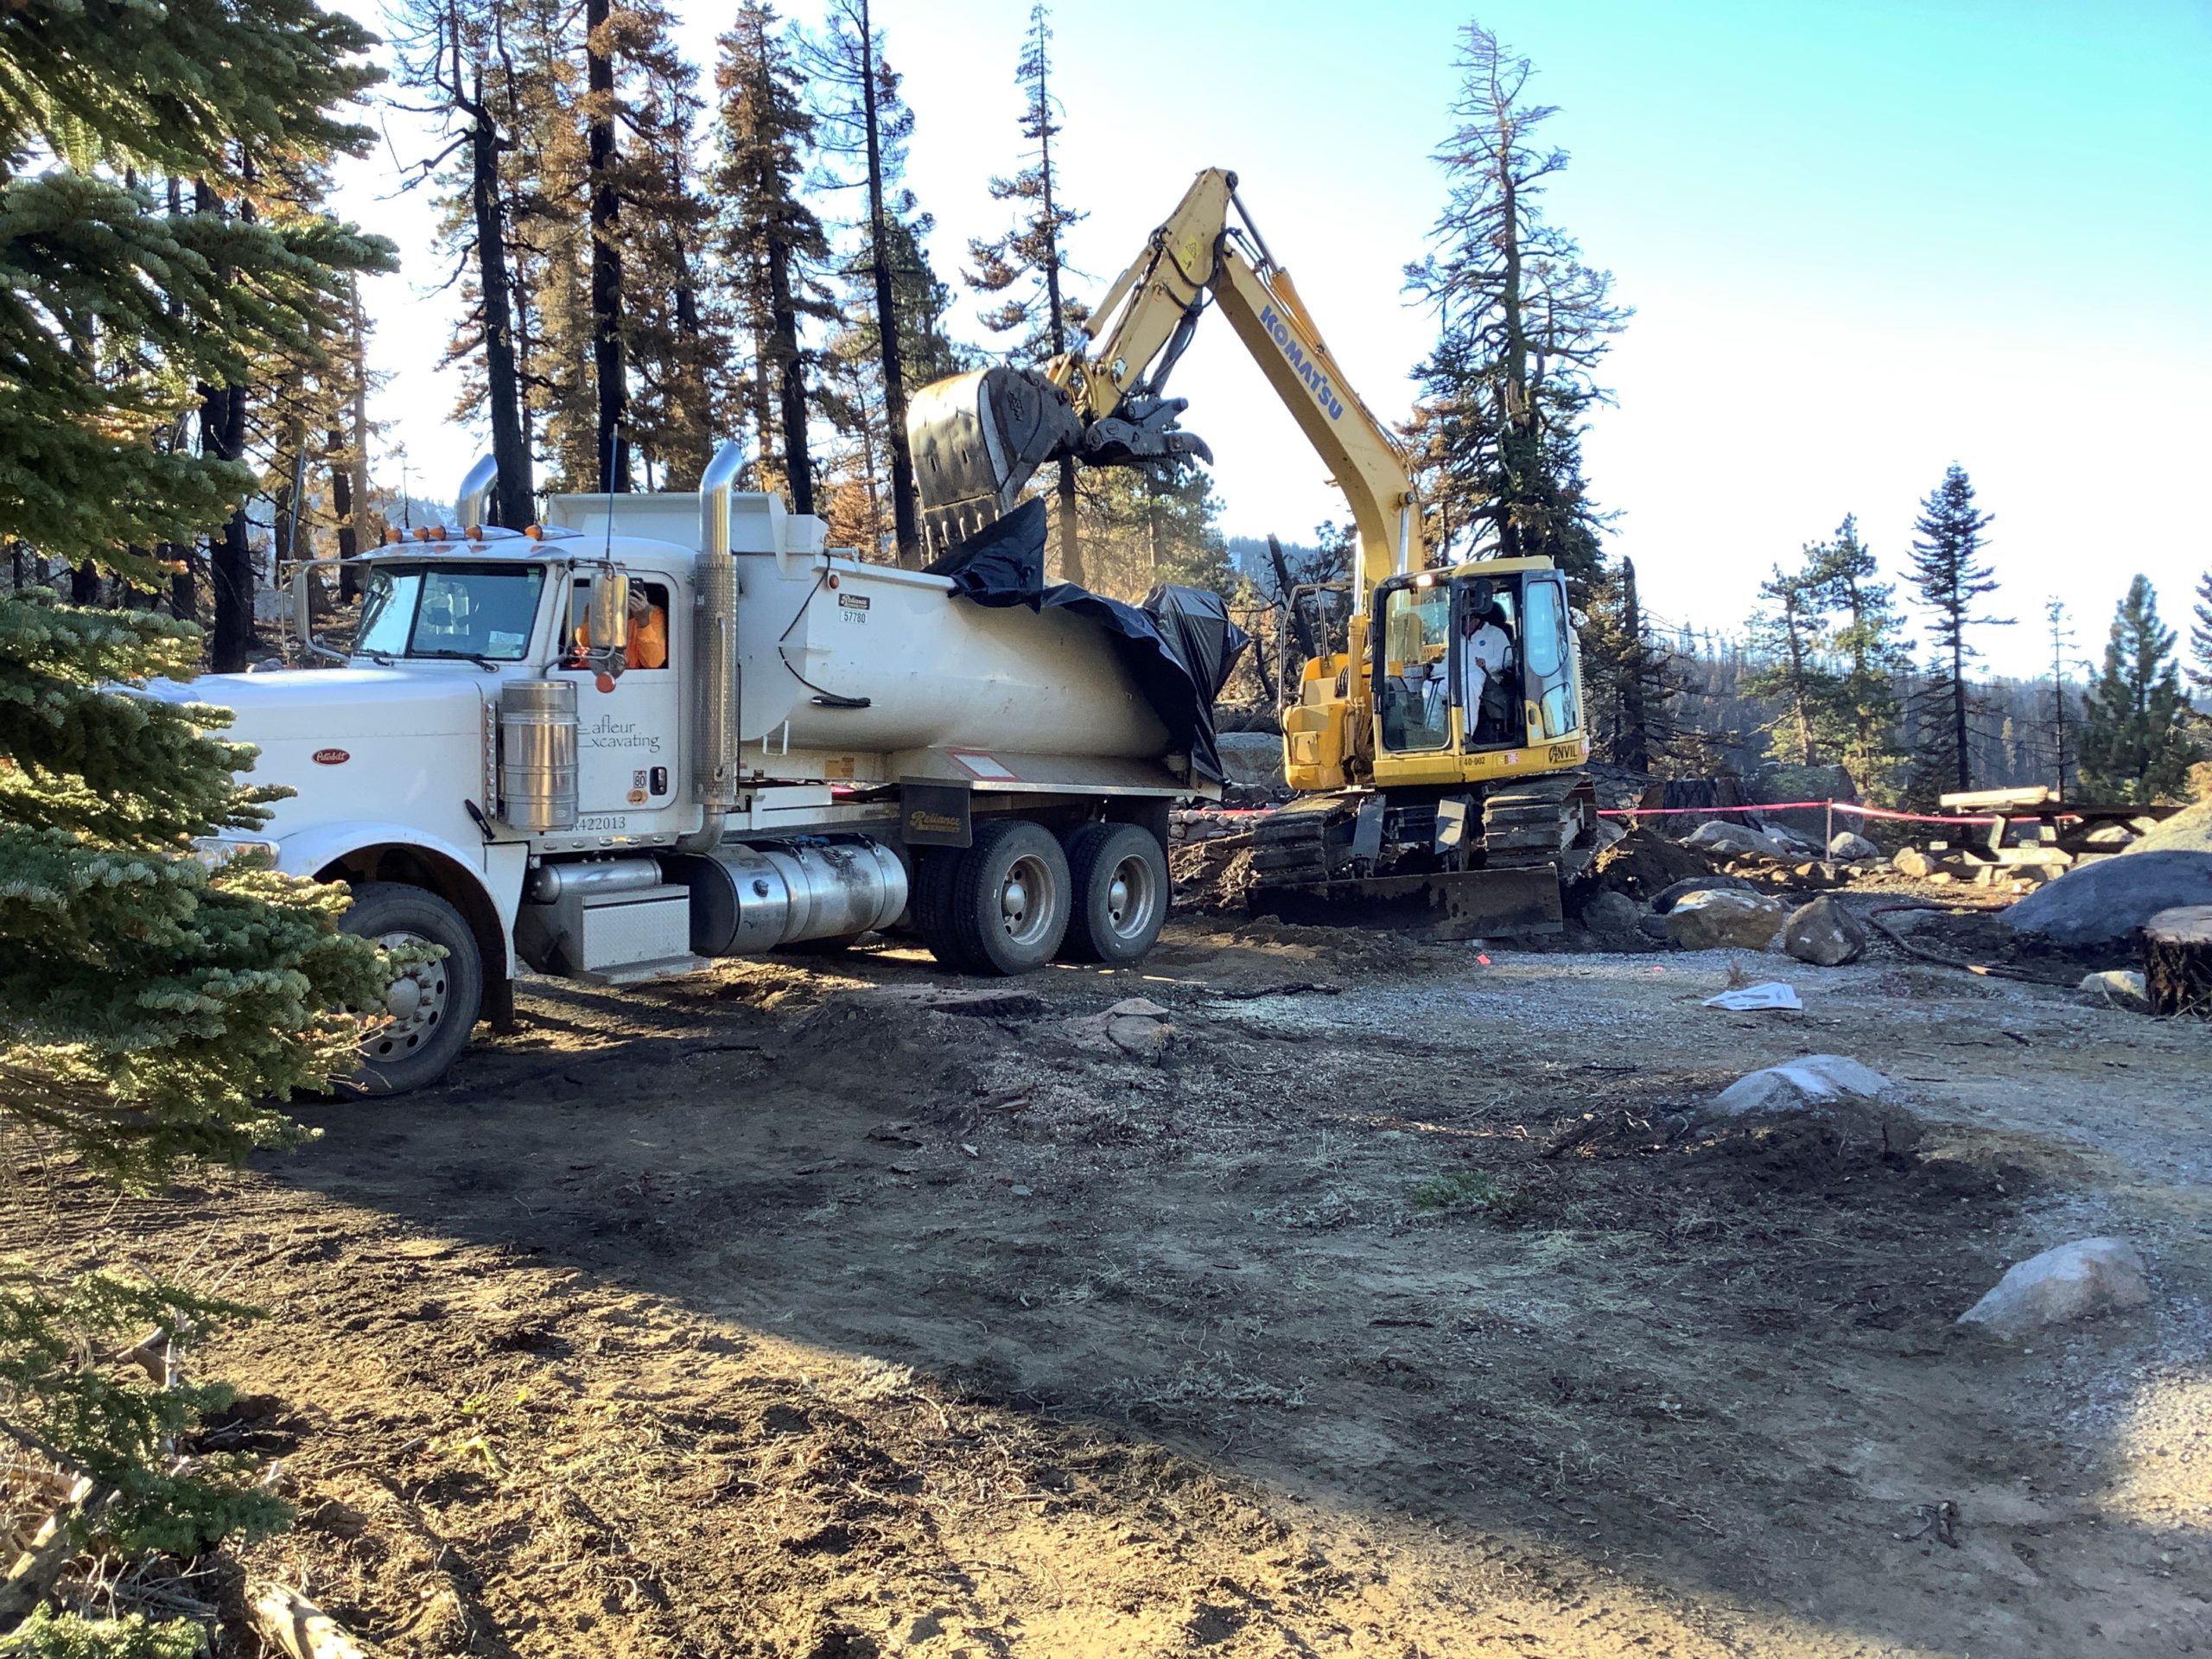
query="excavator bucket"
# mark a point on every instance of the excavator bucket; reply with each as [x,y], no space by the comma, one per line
[975,439]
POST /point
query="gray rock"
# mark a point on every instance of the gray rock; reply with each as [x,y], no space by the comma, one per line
[1824,933]
[2079,1280]
[2116,987]
[2187,831]
[1674,892]
[1733,840]
[2109,835]
[1810,1080]
[1654,927]
[1910,861]
[1609,833]
[1849,848]
[2109,899]
[1716,919]
[1612,913]
[1841,1108]
[1250,758]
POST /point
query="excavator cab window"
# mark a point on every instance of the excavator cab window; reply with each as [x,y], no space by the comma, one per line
[1412,692]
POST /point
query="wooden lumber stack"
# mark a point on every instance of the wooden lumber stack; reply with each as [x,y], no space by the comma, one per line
[2177,961]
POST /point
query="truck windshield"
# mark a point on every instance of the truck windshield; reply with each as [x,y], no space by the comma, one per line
[481,611]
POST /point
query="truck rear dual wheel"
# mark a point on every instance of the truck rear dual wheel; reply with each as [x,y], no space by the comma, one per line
[1018,896]
[432,1004]
[1001,906]
[1119,875]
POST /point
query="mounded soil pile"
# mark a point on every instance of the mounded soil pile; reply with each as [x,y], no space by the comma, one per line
[1644,862]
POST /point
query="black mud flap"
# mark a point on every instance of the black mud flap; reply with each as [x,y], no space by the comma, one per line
[1506,904]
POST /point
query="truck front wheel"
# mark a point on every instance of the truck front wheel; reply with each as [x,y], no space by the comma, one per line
[1002,905]
[432,1005]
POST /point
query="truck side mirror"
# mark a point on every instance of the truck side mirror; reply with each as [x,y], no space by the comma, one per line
[607,620]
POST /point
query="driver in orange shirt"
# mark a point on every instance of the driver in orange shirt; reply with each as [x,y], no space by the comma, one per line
[648,646]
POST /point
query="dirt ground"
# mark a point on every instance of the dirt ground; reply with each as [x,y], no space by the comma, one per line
[1390,1308]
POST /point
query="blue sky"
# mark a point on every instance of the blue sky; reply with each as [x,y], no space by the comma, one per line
[1863,240]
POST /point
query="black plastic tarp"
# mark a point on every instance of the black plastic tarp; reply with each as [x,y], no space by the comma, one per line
[1179,646]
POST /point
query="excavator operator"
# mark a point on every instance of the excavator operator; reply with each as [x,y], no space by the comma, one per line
[1485,652]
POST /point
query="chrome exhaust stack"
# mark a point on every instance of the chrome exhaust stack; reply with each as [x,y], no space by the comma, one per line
[475,489]
[713,655]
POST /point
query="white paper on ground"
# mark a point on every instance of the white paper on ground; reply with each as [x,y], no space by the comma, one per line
[1772,995]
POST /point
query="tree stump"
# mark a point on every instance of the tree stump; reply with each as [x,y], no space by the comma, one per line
[2177,961]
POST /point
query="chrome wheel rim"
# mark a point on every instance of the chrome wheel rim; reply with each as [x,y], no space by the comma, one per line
[1025,900]
[1132,896]
[413,1003]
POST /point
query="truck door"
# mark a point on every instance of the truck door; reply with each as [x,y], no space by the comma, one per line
[627,765]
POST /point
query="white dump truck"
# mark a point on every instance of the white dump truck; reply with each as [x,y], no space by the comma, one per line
[667,728]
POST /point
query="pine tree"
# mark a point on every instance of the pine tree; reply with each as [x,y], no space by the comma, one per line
[1030,257]
[1948,572]
[2136,747]
[851,397]
[1861,720]
[772,241]
[150,1007]
[865,120]
[448,48]
[676,340]
[2061,741]
[1144,525]
[1792,638]
[2199,636]
[1522,326]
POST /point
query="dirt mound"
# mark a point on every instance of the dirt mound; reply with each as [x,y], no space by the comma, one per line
[1645,862]
[1212,874]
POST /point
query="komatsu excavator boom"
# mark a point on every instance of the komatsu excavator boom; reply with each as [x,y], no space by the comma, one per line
[1439,754]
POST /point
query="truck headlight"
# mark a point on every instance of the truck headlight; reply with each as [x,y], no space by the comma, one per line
[215,851]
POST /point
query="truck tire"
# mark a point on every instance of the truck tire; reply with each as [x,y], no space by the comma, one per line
[1005,908]
[432,1007]
[1119,878]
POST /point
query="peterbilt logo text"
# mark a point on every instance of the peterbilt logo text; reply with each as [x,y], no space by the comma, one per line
[331,757]
[1316,379]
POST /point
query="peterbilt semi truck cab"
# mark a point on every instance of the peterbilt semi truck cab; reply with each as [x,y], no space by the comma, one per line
[661,728]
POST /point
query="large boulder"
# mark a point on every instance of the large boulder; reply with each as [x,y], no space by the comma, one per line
[1674,892]
[1608,914]
[2074,1282]
[2187,831]
[1726,840]
[1851,848]
[2105,900]
[1250,758]
[1824,933]
[1716,919]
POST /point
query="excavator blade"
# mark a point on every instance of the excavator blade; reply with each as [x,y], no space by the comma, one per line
[976,440]
[1504,904]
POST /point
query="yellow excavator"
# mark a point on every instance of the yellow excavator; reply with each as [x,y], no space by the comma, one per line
[1437,737]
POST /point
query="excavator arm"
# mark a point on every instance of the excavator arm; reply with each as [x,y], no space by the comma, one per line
[979,437]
